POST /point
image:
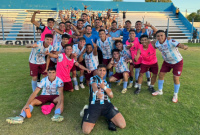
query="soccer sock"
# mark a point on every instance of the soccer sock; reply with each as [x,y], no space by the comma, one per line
[151,86]
[75,81]
[176,88]
[139,86]
[131,80]
[137,72]
[148,74]
[34,85]
[160,85]
[23,114]
[110,74]
[57,111]
[81,79]
[125,84]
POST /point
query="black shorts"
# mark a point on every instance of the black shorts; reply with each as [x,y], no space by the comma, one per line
[96,110]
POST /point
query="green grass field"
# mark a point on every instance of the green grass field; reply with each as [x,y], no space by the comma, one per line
[144,113]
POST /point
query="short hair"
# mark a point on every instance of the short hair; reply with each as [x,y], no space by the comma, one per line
[50,19]
[98,20]
[114,22]
[159,31]
[65,36]
[51,69]
[49,36]
[83,14]
[102,30]
[128,21]
[66,45]
[88,26]
[68,22]
[138,21]
[101,66]
[81,38]
[115,50]
[61,23]
[132,30]
[80,20]
[143,36]
[118,41]
[88,44]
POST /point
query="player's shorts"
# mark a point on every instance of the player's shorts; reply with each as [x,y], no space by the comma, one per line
[152,68]
[137,65]
[73,68]
[89,75]
[131,64]
[68,86]
[81,63]
[37,68]
[52,64]
[177,68]
[96,110]
[46,98]
[120,75]
[106,61]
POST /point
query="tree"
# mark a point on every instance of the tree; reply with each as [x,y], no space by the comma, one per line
[195,16]
[198,12]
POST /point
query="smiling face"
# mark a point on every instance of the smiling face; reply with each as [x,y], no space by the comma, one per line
[51,74]
[138,26]
[132,35]
[102,34]
[128,25]
[119,46]
[88,30]
[65,41]
[161,37]
[68,26]
[144,42]
[50,24]
[48,40]
[81,43]
[80,24]
[114,26]
[116,55]
[89,49]
[68,50]
[62,26]
[101,72]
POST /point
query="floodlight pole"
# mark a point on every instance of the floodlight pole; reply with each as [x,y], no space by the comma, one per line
[167,26]
[34,32]
[192,28]
[2,26]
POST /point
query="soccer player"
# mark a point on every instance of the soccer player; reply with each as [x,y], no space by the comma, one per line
[121,68]
[52,91]
[80,29]
[149,62]
[97,25]
[114,32]
[57,36]
[90,56]
[44,29]
[37,61]
[84,17]
[106,45]
[64,65]
[125,52]
[89,37]
[139,31]
[172,60]
[125,31]
[99,103]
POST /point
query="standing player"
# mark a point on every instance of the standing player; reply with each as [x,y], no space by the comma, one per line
[149,62]
[57,36]
[52,91]
[64,65]
[172,60]
[37,61]
[125,31]
[90,56]
[99,103]
[121,68]
[89,37]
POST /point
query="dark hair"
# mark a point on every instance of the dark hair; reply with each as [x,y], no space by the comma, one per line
[101,30]
[80,20]
[66,45]
[88,26]
[50,19]
[83,14]
[114,22]
[88,44]
[101,66]
[159,31]
[68,22]
[138,22]
[61,23]
[118,41]
[128,21]
[65,36]
[51,69]
[81,38]
[115,50]
[49,36]
[132,30]
[143,36]
[98,20]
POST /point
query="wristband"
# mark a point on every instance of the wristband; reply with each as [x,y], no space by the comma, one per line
[95,92]
[105,88]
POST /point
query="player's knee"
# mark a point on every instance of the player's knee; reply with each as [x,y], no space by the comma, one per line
[125,74]
[111,79]
[86,130]
[141,74]
[34,78]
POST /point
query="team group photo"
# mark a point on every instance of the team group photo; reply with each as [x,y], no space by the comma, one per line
[99,67]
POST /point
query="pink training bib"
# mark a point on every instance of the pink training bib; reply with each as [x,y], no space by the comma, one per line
[149,55]
[70,33]
[63,68]
[46,31]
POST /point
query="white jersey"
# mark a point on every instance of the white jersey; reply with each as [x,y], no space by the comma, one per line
[121,66]
[91,61]
[169,51]
[106,47]
[57,47]
[84,24]
[125,53]
[37,55]
[77,50]
[50,88]
[57,38]
[148,32]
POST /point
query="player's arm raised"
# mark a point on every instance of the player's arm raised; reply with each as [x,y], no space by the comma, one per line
[61,17]
[82,67]
[33,19]
[107,90]
[110,65]
[95,49]
[80,58]
[182,46]
[137,56]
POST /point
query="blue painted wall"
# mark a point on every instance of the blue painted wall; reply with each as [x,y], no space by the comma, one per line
[95,5]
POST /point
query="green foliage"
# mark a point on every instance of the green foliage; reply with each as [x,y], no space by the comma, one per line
[195,16]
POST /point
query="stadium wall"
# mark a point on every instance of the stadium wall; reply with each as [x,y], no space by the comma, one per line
[95,5]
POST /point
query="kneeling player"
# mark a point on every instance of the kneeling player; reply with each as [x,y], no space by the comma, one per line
[121,68]
[172,60]
[149,62]
[99,103]
[52,91]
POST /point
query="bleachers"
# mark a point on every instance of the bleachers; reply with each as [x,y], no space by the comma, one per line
[17,24]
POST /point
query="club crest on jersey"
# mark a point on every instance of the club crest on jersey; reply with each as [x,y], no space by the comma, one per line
[179,72]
